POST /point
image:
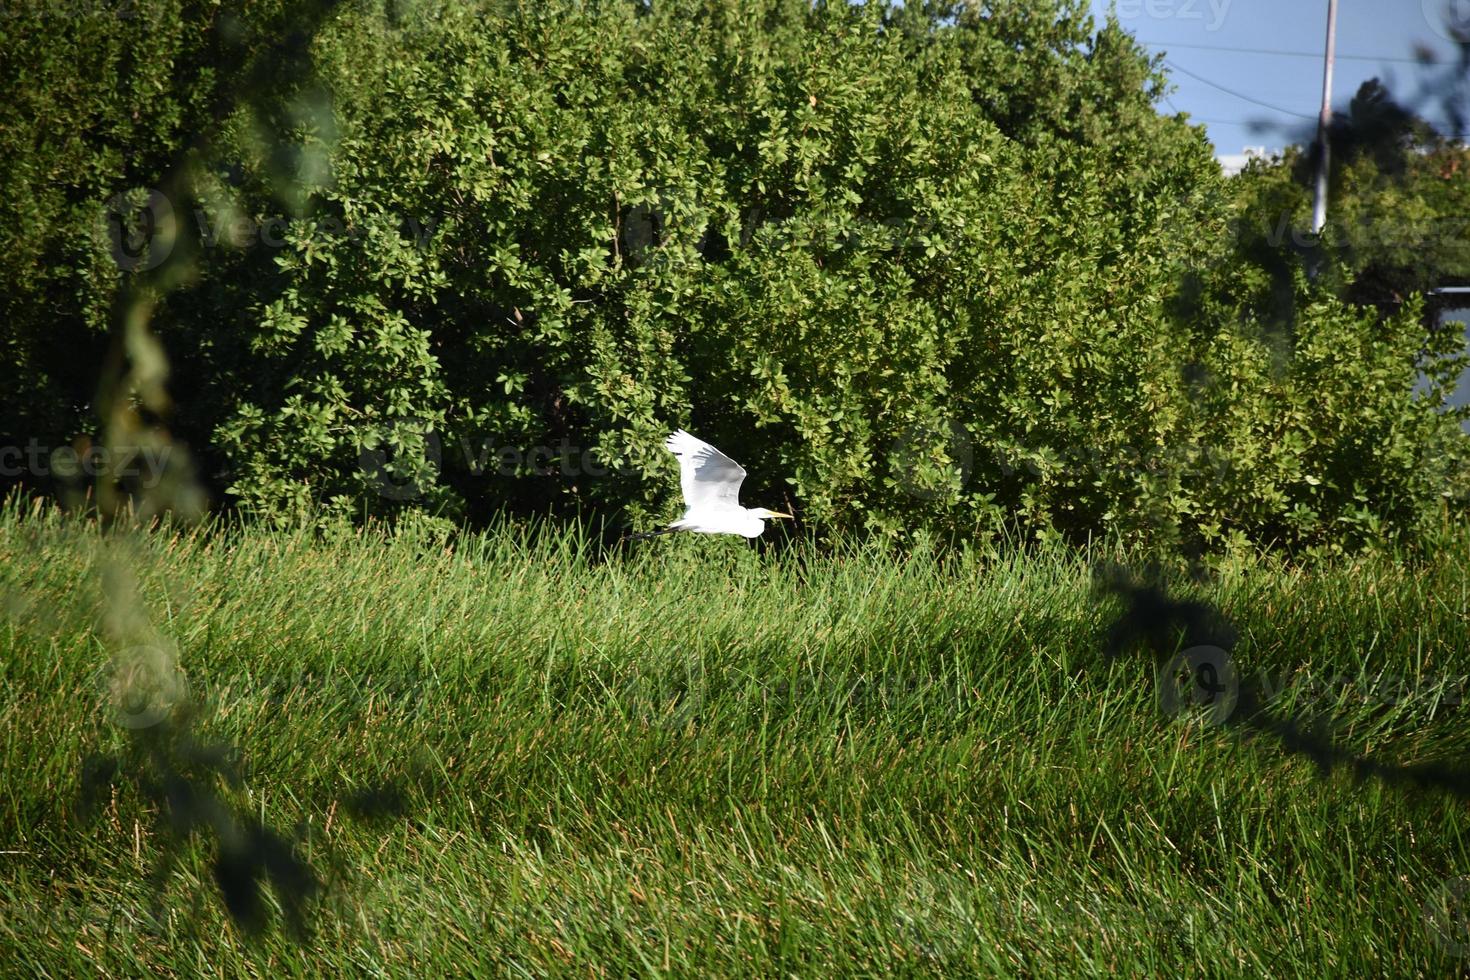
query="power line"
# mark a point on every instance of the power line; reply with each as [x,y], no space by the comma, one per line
[1238,95]
[1213,120]
[1279,51]
[1195,118]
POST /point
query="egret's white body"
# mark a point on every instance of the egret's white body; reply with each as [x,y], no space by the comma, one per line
[711,484]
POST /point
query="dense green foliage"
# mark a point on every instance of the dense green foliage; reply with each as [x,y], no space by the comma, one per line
[100,96]
[702,761]
[1311,393]
[799,233]
[919,268]
[1398,221]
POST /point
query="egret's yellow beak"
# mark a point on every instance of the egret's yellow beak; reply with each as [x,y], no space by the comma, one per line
[776,513]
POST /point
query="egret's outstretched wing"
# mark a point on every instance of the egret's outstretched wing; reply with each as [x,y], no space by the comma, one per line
[707,476]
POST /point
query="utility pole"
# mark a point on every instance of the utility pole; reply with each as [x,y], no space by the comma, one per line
[1319,196]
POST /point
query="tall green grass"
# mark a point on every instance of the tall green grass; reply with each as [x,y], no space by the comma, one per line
[694,758]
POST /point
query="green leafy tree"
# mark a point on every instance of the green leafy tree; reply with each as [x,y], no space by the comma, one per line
[803,231]
[925,269]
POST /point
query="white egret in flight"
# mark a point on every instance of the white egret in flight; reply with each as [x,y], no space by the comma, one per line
[711,484]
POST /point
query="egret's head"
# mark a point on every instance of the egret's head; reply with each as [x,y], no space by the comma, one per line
[764,514]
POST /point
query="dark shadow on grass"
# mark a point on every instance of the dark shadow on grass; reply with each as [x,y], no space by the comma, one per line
[1197,637]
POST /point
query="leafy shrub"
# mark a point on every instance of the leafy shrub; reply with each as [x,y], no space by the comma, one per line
[801,232]
[100,95]
[917,267]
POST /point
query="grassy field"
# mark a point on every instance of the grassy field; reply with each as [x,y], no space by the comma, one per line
[512,756]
